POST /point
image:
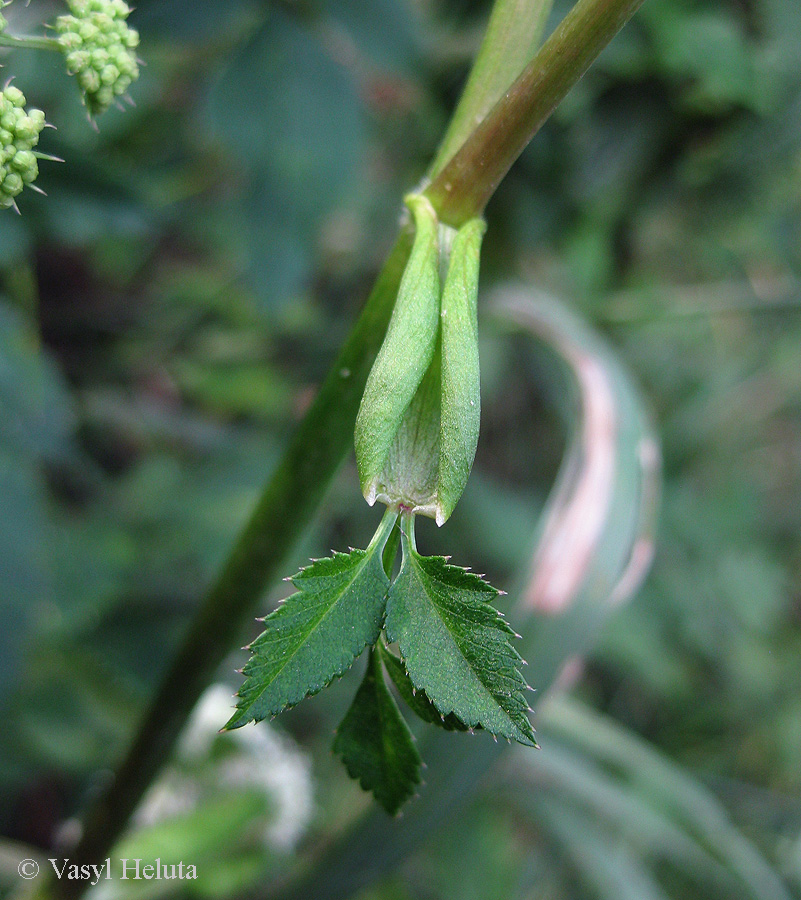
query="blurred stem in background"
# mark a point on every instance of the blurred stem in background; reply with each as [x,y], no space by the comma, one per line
[508,119]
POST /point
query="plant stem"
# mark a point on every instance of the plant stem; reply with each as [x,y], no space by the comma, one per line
[325,435]
[513,34]
[464,186]
[287,505]
[23,42]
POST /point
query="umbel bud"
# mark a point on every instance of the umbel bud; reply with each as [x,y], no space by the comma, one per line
[99,49]
[19,134]
[417,428]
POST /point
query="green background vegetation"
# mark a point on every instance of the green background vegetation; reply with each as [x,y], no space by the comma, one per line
[169,308]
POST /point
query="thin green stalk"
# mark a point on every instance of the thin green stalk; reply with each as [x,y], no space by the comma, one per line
[325,435]
[464,186]
[514,31]
[24,42]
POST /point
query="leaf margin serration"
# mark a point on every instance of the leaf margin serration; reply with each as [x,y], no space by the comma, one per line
[246,698]
[512,702]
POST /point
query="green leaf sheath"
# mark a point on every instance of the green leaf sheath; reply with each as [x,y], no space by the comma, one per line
[415,699]
[461,385]
[455,644]
[375,743]
[316,634]
[405,354]
[410,475]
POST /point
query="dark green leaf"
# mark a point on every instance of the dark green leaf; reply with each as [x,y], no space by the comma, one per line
[375,743]
[417,700]
[455,644]
[317,633]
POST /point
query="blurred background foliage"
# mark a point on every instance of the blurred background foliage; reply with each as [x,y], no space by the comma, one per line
[167,311]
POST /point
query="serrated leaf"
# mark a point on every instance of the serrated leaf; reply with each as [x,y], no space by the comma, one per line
[415,699]
[455,644]
[375,743]
[315,635]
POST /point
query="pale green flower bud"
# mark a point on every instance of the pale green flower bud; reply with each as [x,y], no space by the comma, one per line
[25,163]
[109,75]
[26,132]
[89,80]
[78,61]
[14,97]
[12,184]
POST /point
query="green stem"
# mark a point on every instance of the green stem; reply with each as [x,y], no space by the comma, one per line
[464,186]
[289,502]
[24,42]
[513,34]
[325,435]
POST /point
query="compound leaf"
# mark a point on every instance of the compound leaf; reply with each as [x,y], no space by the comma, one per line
[455,644]
[375,743]
[415,699]
[315,635]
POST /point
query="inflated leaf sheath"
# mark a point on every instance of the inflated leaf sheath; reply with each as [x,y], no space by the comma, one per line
[461,395]
[406,353]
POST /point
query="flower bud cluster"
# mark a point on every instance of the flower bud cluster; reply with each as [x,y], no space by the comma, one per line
[19,134]
[99,47]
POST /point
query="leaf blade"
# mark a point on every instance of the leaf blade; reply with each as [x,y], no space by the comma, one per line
[455,645]
[318,632]
[416,700]
[375,742]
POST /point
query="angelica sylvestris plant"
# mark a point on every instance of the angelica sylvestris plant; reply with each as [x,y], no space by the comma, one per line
[99,49]
[433,629]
